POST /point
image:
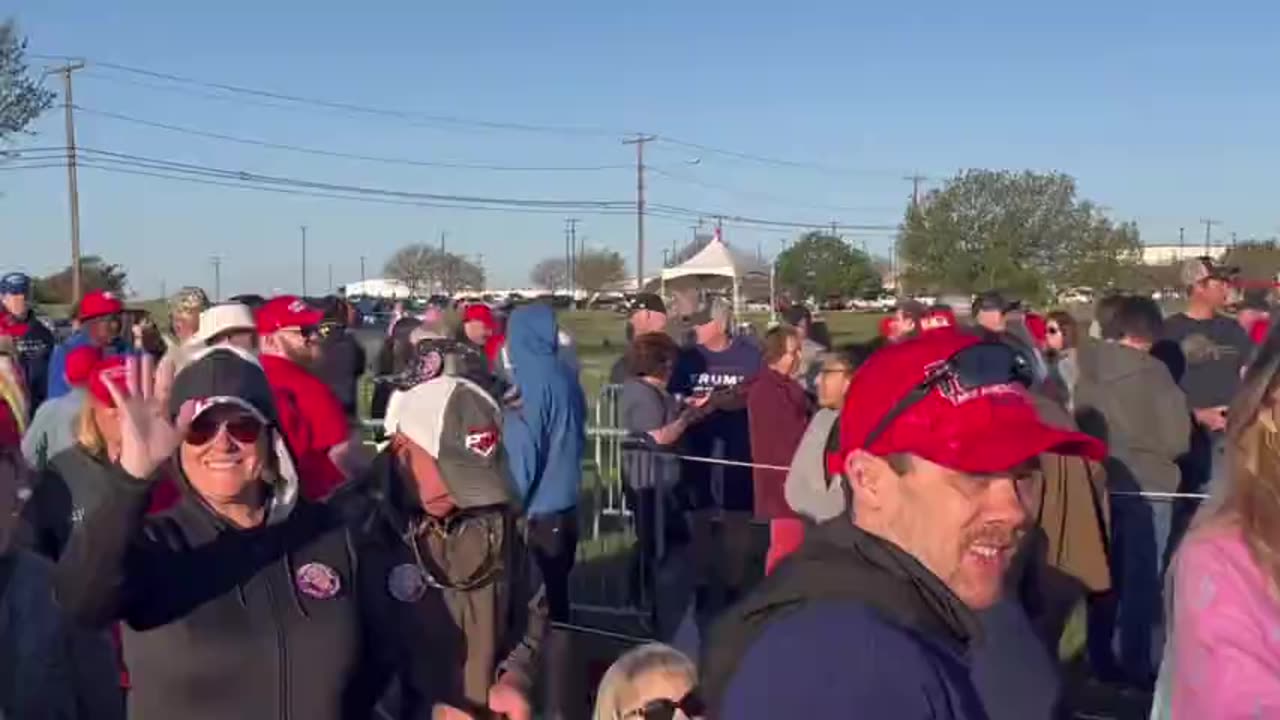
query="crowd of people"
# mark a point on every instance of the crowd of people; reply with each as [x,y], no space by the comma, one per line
[192,523]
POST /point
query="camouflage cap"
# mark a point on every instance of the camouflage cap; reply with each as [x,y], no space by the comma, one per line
[1198,270]
[188,301]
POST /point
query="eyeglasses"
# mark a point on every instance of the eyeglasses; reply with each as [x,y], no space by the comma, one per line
[663,709]
[245,429]
[983,365]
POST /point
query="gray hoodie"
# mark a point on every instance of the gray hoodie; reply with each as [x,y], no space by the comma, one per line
[810,490]
[1127,398]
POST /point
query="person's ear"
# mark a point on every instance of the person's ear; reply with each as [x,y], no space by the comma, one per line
[869,477]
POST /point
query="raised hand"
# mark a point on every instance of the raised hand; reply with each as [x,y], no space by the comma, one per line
[147,437]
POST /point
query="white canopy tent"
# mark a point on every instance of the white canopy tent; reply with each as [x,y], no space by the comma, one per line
[719,260]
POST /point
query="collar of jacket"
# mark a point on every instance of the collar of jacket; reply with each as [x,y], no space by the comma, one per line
[839,561]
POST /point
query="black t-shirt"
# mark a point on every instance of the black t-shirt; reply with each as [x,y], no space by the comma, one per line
[1215,350]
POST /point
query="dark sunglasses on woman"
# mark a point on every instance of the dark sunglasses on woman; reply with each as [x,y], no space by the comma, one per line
[244,429]
[663,709]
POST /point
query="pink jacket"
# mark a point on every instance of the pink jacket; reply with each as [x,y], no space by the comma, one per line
[1226,636]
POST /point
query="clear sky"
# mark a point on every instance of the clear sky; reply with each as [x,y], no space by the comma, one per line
[1165,112]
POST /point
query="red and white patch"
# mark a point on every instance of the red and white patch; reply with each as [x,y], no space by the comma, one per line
[297,307]
[482,441]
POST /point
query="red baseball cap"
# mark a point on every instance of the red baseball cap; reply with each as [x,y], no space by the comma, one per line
[113,368]
[480,313]
[80,363]
[99,303]
[286,311]
[985,429]
[1038,327]
[888,326]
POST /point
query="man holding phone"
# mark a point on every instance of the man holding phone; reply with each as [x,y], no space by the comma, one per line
[1216,349]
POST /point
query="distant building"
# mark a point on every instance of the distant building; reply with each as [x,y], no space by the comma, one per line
[1170,254]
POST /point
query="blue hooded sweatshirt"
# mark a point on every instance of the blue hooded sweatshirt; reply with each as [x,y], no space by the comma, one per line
[58,385]
[545,436]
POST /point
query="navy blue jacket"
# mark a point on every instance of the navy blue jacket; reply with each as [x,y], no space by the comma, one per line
[842,659]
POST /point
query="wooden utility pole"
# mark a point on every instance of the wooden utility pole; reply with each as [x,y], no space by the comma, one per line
[73,191]
[915,181]
[217,278]
[1208,234]
[639,141]
[304,259]
[362,273]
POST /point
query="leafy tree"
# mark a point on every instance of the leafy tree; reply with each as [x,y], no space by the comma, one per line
[550,274]
[597,268]
[1257,260]
[95,273]
[1023,232]
[424,268]
[22,98]
[821,265]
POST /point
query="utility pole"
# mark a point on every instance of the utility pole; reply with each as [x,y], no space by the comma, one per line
[570,254]
[217,278]
[639,141]
[362,273]
[304,259]
[330,277]
[1182,241]
[444,234]
[73,191]
[915,181]
[1233,239]
[1208,234]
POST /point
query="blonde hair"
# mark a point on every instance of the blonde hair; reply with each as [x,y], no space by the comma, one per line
[88,435]
[644,660]
[1249,499]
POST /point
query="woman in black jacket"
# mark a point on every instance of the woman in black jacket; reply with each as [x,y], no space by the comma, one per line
[240,600]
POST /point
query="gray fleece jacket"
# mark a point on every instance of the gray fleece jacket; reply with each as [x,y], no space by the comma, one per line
[1126,398]
[810,490]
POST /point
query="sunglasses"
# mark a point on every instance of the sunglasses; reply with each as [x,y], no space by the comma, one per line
[245,429]
[663,709]
[983,365]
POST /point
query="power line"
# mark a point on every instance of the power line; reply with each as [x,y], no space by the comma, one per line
[122,167]
[243,93]
[677,211]
[761,195]
[774,161]
[355,107]
[337,154]
[223,173]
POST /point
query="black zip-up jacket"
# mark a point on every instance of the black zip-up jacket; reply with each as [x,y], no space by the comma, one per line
[66,491]
[218,622]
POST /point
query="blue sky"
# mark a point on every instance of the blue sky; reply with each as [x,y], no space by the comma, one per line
[1164,111]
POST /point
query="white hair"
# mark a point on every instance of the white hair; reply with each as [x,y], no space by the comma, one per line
[638,662]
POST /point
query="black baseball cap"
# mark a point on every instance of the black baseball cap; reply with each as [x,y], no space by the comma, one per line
[648,301]
[993,300]
[1255,299]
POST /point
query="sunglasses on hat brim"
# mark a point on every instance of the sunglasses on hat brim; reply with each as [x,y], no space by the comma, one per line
[986,364]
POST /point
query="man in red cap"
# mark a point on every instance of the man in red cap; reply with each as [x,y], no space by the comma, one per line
[941,451]
[311,416]
[99,318]
[480,329]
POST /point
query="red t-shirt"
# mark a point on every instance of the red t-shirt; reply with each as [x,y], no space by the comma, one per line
[312,421]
